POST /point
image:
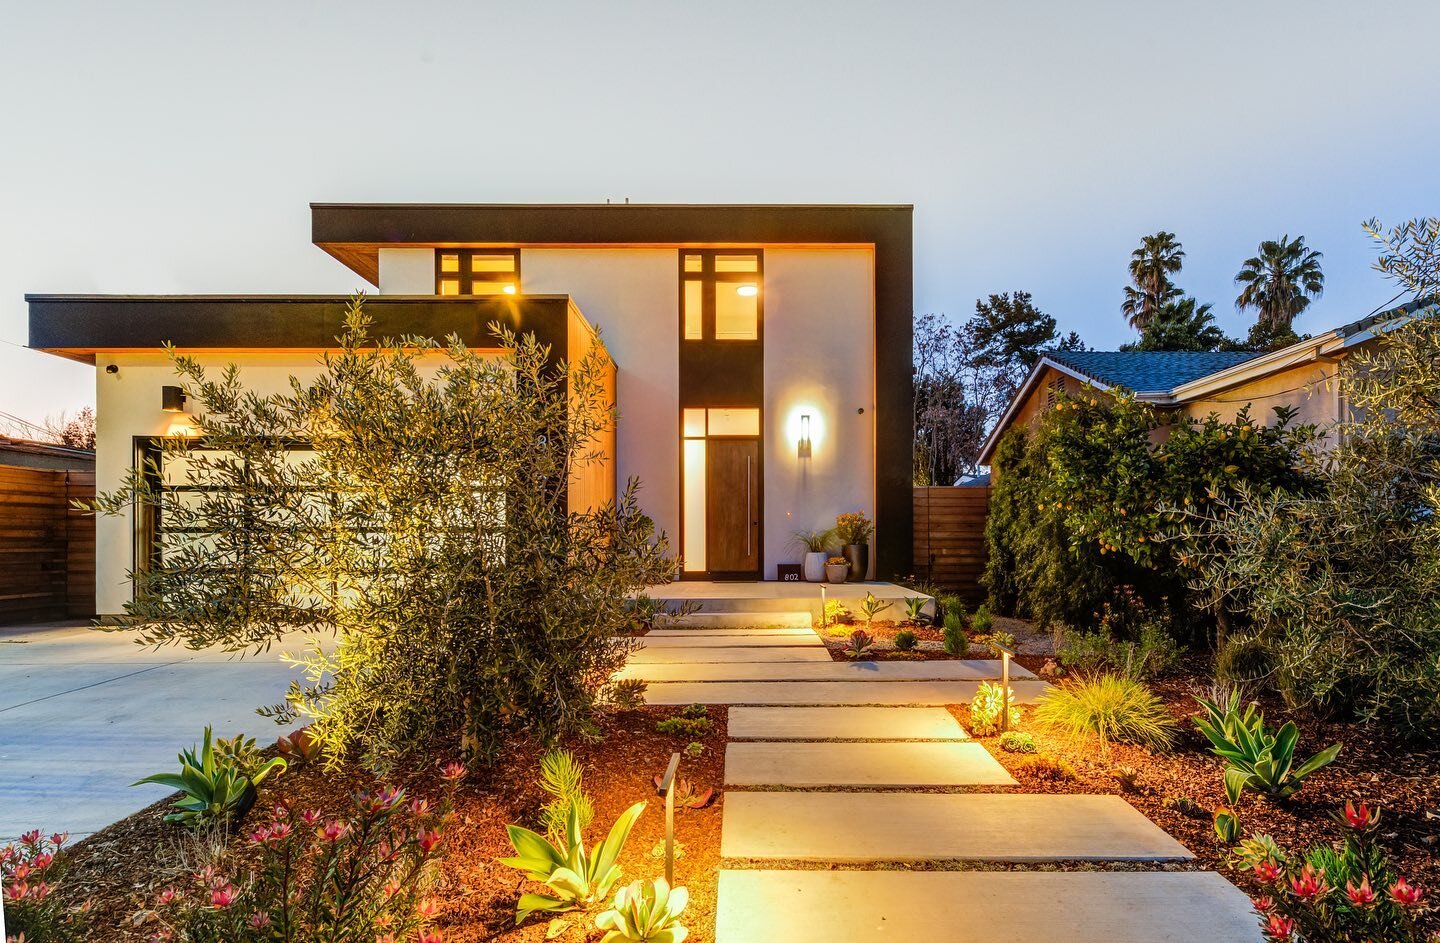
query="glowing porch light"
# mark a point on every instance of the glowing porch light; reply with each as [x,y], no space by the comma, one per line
[802,448]
[509,289]
[747,291]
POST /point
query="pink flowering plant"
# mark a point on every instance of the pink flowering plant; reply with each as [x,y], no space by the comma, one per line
[361,878]
[30,871]
[1329,893]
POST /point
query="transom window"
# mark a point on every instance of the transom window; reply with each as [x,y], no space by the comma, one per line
[721,294]
[477,271]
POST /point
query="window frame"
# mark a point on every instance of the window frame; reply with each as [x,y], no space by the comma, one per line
[468,278]
[710,280]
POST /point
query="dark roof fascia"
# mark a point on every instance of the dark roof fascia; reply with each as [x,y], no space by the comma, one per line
[77,326]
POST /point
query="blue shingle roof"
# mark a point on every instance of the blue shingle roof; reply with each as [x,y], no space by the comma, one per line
[1148,371]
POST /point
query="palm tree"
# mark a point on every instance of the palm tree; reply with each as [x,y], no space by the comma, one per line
[1184,324]
[1151,266]
[1280,282]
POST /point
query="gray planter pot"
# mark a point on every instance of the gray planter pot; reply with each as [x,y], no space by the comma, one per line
[815,566]
[859,557]
[837,572]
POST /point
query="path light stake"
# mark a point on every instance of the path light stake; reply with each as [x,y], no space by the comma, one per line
[822,605]
[1005,655]
[667,789]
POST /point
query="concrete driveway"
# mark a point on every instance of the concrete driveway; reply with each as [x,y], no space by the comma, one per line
[84,713]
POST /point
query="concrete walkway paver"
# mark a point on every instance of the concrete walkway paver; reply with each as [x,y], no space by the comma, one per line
[918,826]
[729,633]
[833,671]
[854,693]
[844,723]
[698,640]
[729,653]
[801,764]
[982,907]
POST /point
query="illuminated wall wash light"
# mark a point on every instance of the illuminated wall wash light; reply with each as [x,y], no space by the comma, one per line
[802,448]
[805,426]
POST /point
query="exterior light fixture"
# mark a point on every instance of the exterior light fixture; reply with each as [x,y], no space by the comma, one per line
[802,450]
[509,289]
[747,291]
[172,399]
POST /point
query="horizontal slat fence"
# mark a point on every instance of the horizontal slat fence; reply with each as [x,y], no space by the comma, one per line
[950,538]
[47,550]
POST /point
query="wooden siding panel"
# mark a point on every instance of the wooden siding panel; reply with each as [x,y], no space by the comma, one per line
[47,550]
[949,546]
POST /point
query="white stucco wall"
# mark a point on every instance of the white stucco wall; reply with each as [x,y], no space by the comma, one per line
[819,359]
[406,270]
[632,295]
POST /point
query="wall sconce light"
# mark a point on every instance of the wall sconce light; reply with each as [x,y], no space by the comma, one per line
[172,399]
[802,450]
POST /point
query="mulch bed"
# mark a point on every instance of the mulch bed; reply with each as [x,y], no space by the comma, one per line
[1402,778]
[122,867]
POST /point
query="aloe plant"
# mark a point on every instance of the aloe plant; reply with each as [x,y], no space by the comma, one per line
[577,880]
[1255,758]
[645,912]
[214,786]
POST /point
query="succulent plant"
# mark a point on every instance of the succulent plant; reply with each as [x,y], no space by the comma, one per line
[577,880]
[859,644]
[645,912]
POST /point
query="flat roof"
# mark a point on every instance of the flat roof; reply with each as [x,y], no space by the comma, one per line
[354,232]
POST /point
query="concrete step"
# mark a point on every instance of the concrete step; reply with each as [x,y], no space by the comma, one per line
[728,633]
[742,619]
[696,640]
[822,693]
[834,671]
[875,765]
[856,827]
[708,655]
[843,723]
[982,907]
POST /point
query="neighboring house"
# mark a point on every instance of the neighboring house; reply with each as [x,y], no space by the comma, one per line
[761,355]
[27,453]
[1197,384]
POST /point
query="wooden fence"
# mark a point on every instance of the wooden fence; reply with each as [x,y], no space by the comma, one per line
[47,549]
[950,538]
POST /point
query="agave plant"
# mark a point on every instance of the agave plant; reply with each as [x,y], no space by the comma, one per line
[645,912]
[213,785]
[915,609]
[577,880]
[871,607]
[1255,758]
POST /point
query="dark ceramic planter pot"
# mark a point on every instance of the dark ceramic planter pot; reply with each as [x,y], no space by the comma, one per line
[858,555]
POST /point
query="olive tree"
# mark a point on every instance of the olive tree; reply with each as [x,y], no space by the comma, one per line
[408,509]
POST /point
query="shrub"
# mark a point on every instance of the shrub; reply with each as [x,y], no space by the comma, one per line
[1256,758]
[956,642]
[1016,741]
[981,622]
[870,607]
[644,611]
[577,879]
[1325,893]
[213,787]
[307,877]
[688,727]
[1153,652]
[31,870]
[562,778]
[468,600]
[628,694]
[1244,659]
[1046,768]
[986,708]
[645,912]
[905,640]
[859,644]
[1109,708]
[949,604]
[1082,504]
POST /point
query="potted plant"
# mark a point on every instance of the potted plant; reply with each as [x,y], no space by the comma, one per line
[853,531]
[837,570]
[817,549]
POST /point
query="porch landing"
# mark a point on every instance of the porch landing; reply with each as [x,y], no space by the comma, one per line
[775,596]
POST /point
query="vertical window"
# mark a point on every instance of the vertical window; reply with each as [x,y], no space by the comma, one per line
[477,271]
[721,296]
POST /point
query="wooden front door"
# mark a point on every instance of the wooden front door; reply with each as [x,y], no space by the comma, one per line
[732,508]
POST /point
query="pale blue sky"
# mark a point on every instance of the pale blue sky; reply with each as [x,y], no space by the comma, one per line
[174,147]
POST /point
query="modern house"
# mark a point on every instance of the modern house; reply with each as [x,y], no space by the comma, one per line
[1301,377]
[761,355]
